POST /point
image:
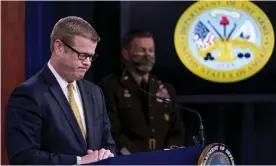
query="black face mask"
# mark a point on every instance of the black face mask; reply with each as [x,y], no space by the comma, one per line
[143,63]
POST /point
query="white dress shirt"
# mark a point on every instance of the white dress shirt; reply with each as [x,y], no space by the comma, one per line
[63,84]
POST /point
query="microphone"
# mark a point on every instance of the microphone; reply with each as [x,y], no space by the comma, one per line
[201,127]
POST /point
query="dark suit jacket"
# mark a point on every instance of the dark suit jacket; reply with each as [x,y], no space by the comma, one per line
[42,129]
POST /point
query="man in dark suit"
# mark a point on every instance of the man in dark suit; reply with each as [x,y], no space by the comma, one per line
[139,121]
[57,117]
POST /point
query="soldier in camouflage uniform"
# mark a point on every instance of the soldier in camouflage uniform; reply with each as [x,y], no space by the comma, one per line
[141,122]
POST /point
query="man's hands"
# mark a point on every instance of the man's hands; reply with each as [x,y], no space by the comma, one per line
[92,156]
[96,155]
[104,154]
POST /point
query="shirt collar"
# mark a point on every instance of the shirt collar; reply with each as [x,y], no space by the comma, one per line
[137,77]
[63,84]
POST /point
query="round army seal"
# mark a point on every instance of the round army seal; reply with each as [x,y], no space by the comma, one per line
[224,41]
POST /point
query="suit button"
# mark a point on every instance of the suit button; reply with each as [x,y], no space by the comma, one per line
[153,130]
[151,117]
[150,105]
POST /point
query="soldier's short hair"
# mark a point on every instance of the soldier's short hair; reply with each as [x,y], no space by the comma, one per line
[68,27]
[134,33]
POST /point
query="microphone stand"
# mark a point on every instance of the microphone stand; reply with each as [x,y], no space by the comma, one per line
[201,127]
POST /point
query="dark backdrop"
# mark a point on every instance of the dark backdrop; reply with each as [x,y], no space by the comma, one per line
[241,115]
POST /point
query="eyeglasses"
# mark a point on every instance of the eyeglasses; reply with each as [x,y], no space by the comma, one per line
[82,56]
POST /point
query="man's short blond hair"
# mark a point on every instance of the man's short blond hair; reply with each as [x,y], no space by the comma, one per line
[67,28]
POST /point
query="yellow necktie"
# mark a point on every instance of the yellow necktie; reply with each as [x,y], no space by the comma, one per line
[75,108]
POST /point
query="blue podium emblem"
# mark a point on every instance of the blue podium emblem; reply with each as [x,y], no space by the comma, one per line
[216,154]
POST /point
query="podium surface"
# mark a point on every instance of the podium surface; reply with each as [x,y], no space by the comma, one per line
[186,156]
[213,154]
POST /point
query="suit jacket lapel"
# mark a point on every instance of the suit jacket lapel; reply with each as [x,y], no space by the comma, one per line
[153,88]
[88,112]
[129,83]
[57,92]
